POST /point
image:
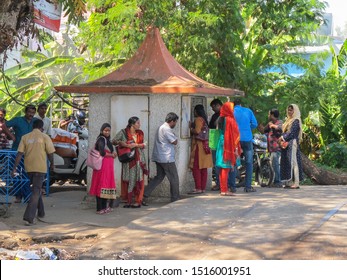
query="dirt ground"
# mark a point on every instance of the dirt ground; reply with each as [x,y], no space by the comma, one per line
[305,224]
[68,233]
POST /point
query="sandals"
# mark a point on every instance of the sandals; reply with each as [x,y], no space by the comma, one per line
[144,203]
[136,206]
[103,211]
[227,194]
[196,192]
[251,189]
[215,188]
[291,187]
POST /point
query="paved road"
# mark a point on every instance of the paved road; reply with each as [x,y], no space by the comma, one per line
[309,223]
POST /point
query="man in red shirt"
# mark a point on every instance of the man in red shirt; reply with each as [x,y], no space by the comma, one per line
[274,131]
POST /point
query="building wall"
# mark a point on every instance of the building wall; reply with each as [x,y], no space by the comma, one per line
[159,106]
[99,113]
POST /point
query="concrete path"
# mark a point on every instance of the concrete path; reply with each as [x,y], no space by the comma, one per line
[309,223]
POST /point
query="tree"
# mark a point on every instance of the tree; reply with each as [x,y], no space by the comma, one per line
[33,80]
[17,20]
[226,42]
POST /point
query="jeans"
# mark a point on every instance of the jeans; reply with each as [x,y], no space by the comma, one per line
[275,161]
[247,149]
[165,169]
[35,202]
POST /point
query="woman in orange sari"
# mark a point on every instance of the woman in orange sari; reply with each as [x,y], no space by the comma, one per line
[132,186]
[229,147]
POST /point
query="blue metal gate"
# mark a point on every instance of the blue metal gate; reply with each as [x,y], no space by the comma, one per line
[10,186]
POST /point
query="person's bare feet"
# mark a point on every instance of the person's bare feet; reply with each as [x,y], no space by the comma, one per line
[227,194]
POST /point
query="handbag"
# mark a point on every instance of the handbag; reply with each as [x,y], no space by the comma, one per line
[284,144]
[94,159]
[213,138]
[125,154]
[206,147]
[203,134]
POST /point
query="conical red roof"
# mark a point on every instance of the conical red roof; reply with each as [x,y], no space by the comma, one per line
[151,70]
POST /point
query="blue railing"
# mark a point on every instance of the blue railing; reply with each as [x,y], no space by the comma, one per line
[17,185]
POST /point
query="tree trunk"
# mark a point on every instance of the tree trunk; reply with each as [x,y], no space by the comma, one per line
[321,176]
[16,22]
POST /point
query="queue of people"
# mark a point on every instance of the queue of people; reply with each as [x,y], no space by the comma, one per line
[234,123]
[285,158]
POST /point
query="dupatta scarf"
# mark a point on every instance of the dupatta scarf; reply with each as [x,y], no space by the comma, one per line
[289,121]
[232,147]
[139,140]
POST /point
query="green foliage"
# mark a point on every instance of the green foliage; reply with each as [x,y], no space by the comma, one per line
[334,155]
[226,42]
[74,10]
[32,82]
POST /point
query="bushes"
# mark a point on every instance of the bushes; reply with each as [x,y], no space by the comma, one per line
[334,155]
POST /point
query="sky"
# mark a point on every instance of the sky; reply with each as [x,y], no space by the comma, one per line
[339,10]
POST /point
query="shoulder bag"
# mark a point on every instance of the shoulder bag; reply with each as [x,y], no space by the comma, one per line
[94,159]
[213,138]
[125,154]
[203,134]
[284,145]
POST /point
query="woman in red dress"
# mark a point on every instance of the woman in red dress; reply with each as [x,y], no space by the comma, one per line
[103,185]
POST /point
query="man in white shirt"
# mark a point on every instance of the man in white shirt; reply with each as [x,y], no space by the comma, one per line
[41,115]
[164,158]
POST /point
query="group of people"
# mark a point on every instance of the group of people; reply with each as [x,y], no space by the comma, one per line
[15,128]
[235,124]
[133,191]
[284,147]
[30,137]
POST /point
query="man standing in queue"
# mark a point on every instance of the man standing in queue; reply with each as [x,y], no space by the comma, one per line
[164,158]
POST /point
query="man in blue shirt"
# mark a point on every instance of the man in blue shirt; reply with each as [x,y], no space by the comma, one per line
[246,122]
[22,126]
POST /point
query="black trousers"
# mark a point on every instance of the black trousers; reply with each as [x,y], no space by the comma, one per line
[35,202]
[101,203]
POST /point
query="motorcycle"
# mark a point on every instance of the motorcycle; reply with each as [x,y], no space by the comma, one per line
[264,174]
[69,163]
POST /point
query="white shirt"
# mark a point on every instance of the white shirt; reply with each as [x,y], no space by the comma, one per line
[164,150]
[47,124]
